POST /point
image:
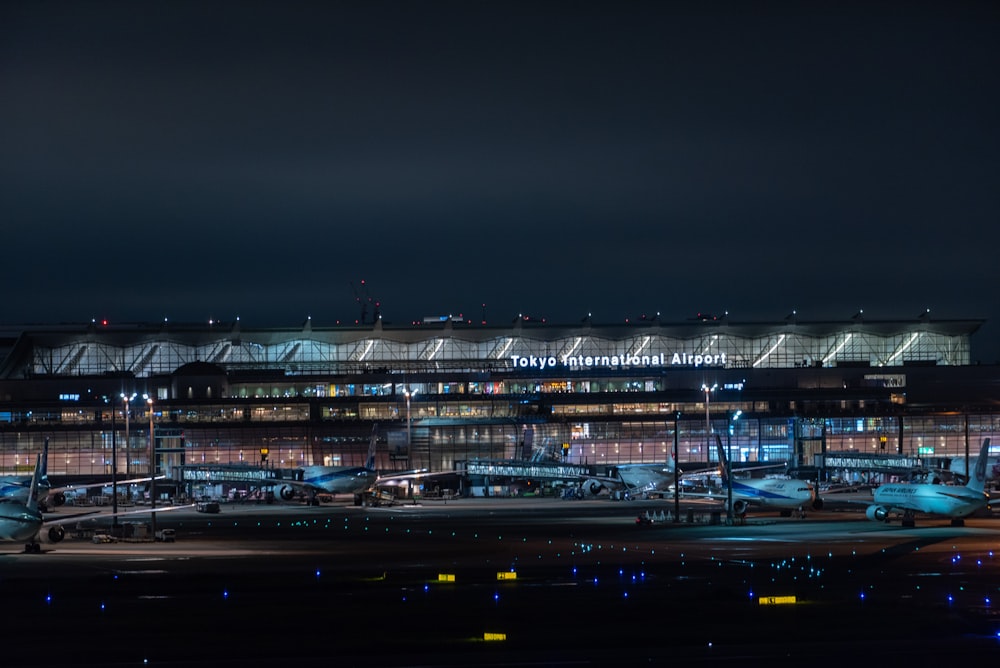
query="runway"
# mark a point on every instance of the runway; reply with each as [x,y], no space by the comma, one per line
[555,581]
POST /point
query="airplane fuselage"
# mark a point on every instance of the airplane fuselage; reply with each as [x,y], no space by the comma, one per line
[656,478]
[946,500]
[17,522]
[775,493]
[17,488]
[338,479]
[964,468]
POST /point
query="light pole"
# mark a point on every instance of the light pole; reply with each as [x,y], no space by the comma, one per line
[677,489]
[409,423]
[126,404]
[152,466]
[729,467]
[708,420]
[114,468]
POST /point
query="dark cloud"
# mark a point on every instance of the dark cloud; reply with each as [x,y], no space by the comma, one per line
[215,159]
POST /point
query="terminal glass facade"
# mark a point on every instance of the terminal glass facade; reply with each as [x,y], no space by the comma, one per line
[588,396]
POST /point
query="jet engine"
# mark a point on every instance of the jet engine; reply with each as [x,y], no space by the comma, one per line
[56,499]
[593,487]
[52,534]
[284,492]
[739,506]
[877,513]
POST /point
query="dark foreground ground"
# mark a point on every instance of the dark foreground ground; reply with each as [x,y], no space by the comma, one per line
[419,587]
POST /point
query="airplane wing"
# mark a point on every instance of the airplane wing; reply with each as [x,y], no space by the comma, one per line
[719,496]
[97,514]
[105,483]
[64,519]
[741,469]
[411,475]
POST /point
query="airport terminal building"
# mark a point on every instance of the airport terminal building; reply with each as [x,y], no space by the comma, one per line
[828,397]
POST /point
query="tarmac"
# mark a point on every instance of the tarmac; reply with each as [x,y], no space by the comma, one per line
[506,582]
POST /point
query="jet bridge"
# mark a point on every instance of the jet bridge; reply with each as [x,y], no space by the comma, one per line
[234,474]
[521,470]
[860,461]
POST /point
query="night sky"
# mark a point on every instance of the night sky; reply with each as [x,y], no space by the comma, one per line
[213,160]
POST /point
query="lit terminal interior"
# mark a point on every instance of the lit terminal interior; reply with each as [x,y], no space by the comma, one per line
[445,393]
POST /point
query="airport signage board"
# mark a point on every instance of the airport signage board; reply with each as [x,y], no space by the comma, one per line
[777,600]
[226,475]
[542,362]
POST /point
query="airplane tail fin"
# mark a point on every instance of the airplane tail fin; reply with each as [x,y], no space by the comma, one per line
[32,503]
[977,481]
[723,459]
[370,461]
[45,459]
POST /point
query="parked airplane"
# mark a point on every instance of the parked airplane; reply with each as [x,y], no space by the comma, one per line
[23,521]
[16,488]
[640,479]
[958,467]
[632,479]
[333,479]
[956,502]
[785,494]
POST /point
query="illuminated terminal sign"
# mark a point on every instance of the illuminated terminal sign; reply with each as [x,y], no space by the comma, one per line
[221,474]
[581,361]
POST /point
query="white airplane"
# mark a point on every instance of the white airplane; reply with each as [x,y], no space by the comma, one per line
[956,502]
[17,487]
[785,494]
[633,479]
[23,521]
[648,479]
[957,466]
[333,479]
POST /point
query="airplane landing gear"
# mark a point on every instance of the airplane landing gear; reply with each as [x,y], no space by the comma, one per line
[32,548]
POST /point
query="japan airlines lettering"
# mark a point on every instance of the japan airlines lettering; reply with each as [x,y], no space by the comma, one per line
[574,361]
[898,490]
